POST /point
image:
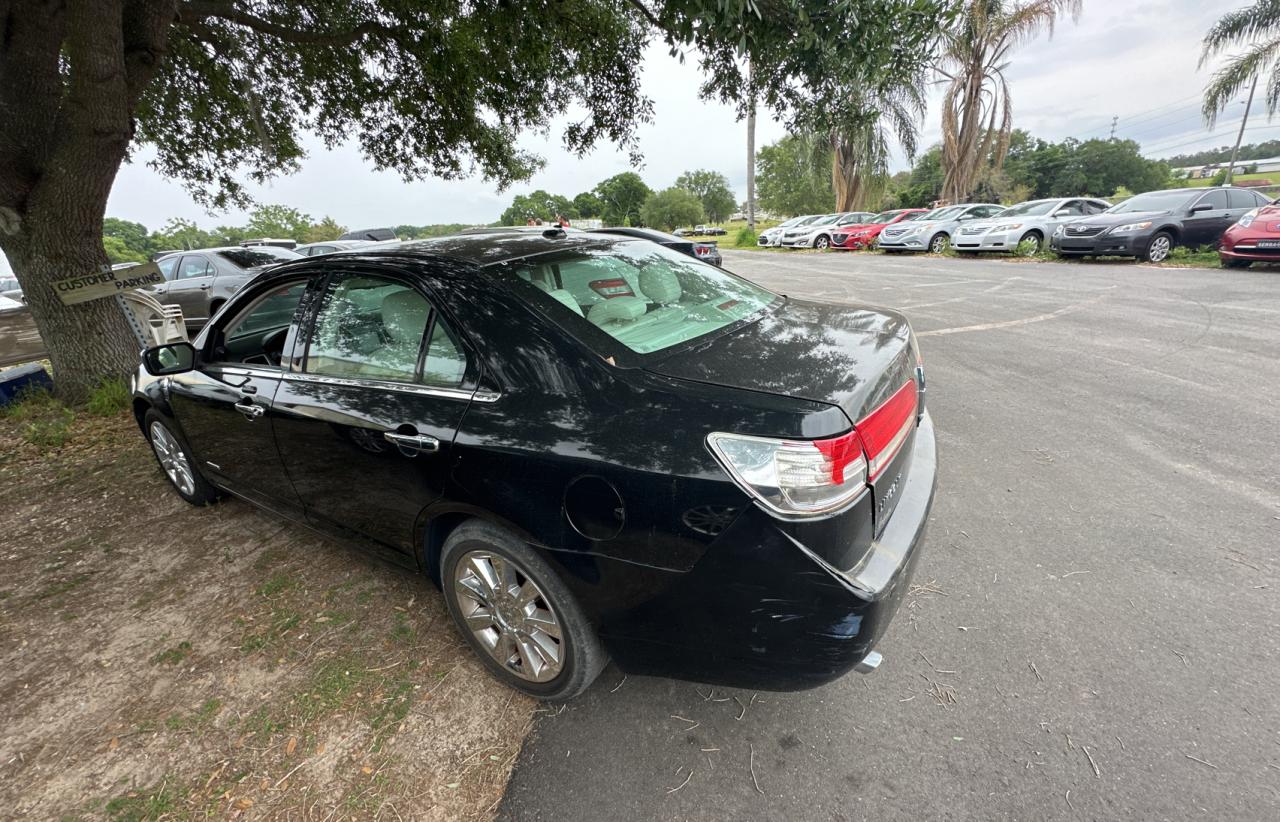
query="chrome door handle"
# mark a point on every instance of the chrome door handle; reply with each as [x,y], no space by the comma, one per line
[416,442]
[250,410]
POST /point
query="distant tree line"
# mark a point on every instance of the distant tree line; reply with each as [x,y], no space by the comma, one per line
[1253,151]
[126,241]
[626,200]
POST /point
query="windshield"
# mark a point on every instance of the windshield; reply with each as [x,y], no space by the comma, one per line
[827,220]
[645,296]
[259,255]
[1154,201]
[1029,209]
[943,213]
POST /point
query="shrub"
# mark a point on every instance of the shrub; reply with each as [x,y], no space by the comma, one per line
[746,238]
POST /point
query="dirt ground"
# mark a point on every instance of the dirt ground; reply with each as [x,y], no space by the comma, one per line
[159,661]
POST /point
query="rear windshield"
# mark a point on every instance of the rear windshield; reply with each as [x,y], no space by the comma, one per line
[259,255]
[643,295]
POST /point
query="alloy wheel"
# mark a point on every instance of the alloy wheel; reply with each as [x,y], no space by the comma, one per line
[1159,250]
[172,459]
[509,615]
[939,244]
[821,243]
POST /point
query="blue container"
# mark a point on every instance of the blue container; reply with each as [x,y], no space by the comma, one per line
[15,381]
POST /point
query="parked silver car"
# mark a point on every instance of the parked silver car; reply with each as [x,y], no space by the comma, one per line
[932,232]
[330,246]
[1032,222]
[199,282]
[772,236]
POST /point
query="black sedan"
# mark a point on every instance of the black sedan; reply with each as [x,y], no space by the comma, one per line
[707,252]
[597,447]
[1148,226]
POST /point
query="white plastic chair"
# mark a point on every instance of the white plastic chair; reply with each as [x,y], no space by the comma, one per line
[160,323]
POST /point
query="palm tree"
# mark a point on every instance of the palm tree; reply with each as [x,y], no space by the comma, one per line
[860,153]
[977,112]
[1257,28]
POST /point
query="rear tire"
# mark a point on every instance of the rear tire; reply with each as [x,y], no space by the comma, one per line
[176,460]
[521,620]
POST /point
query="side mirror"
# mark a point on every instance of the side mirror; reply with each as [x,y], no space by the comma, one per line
[174,358]
[1198,207]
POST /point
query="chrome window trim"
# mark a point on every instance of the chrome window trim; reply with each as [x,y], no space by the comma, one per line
[477,395]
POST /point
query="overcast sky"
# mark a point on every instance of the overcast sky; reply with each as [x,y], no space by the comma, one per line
[1134,59]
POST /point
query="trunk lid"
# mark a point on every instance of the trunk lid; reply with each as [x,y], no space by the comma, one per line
[849,356]
[859,359]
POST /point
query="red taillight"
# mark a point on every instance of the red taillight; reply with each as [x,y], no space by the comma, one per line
[885,429]
[840,452]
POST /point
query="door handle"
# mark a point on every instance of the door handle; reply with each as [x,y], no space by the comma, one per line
[205,287]
[415,442]
[250,410]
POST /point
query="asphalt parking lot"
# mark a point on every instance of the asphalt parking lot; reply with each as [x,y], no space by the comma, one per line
[1094,631]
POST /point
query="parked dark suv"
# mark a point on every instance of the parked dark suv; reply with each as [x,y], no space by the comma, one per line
[199,282]
[597,446]
[1148,226]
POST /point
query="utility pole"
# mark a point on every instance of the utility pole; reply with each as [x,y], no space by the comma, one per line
[1114,119]
[751,153]
[1235,152]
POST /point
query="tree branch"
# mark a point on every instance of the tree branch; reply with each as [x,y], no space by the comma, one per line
[649,15]
[193,13]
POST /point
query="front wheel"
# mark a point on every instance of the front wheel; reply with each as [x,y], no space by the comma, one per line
[1031,243]
[516,613]
[822,243]
[939,244]
[1232,262]
[176,461]
[1159,247]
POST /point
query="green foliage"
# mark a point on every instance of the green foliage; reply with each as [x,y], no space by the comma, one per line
[538,205]
[109,398]
[278,222]
[793,176]
[119,252]
[1222,154]
[173,656]
[42,420]
[671,208]
[180,234]
[745,238]
[622,196]
[1095,167]
[712,189]
[1219,179]
[326,229]
[150,804]
[588,205]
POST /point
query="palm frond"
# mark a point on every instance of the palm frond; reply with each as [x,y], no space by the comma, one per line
[1239,71]
[1262,19]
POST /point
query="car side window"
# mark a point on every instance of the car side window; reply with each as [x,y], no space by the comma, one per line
[986,211]
[1071,208]
[1095,207]
[193,267]
[1217,199]
[167,267]
[1242,199]
[256,334]
[374,327]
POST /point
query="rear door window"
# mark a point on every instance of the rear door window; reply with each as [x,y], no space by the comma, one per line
[193,266]
[1242,199]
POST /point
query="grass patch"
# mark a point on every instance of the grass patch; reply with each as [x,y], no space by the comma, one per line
[1203,257]
[276,585]
[139,806]
[196,719]
[65,586]
[42,420]
[110,398]
[745,238]
[282,621]
[330,687]
[172,656]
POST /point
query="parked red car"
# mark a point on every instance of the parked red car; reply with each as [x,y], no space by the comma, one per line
[1255,237]
[863,235]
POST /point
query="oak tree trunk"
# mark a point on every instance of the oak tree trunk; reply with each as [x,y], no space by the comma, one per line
[71,75]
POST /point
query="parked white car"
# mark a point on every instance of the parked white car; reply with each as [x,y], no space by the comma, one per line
[818,233]
[1032,222]
[772,236]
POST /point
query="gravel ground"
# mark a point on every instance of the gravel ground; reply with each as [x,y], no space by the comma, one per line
[1093,629]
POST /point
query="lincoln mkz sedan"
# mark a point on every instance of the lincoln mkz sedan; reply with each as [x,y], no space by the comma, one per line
[596,446]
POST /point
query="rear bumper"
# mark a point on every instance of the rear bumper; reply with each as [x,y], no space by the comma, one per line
[1123,245]
[762,609]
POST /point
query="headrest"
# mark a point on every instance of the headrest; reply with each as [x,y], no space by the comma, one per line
[660,285]
[404,315]
[617,309]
